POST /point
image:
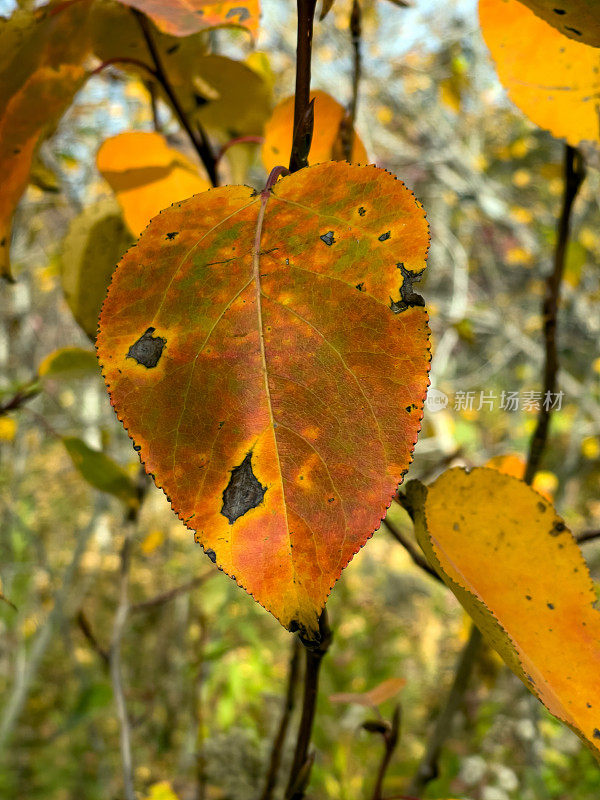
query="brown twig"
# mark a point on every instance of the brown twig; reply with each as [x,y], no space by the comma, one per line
[302,761]
[284,722]
[390,735]
[86,628]
[166,597]
[303,108]
[410,548]
[20,397]
[587,536]
[349,120]
[198,140]
[574,171]
[115,669]
[428,766]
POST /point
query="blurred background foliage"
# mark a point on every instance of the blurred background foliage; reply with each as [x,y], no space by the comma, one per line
[204,668]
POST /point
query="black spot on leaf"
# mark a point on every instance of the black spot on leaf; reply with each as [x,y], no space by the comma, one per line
[148,349]
[243,492]
[550,606]
[362,211]
[385,236]
[560,11]
[212,555]
[328,238]
[238,11]
[409,297]
[360,287]
[573,30]
[172,235]
[596,733]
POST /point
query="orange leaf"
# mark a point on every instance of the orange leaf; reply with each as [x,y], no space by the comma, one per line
[250,350]
[39,74]
[146,175]
[518,571]
[375,696]
[184,17]
[553,80]
[577,19]
[279,130]
[513,464]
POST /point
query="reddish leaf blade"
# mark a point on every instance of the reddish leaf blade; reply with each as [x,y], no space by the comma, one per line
[260,369]
[185,17]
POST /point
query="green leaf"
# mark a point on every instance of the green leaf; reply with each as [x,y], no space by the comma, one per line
[100,471]
[69,362]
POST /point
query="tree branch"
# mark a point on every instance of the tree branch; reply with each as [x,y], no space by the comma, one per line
[302,762]
[115,668]
[348,121]
[303,108]
[199,141]
[390,734]
[574,171]
[166,597]
[412,551]
[284,722]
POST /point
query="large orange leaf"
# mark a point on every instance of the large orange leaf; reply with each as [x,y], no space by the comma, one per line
[518,571]
[146,175]
[250,347]
[329,114]
[40,72]
[184,17]
[577,19]
[553,80]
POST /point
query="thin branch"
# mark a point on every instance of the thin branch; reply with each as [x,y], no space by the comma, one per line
[410,548]
[303,108]
[284,722]
[124,60]
[86,628]
[587,536]
[428,767]
[20,397]
[115,668]
[199,141]
[390,736]
[302,762]
[166,597]
[574,171]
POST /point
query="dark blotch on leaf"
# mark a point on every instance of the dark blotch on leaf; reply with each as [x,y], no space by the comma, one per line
[328,238]
[596,733]
[172,235]
[243,492]
[385,236]
[238,11]
[212,555]
[558,528]
[360,287]
[559,11]
[550,606]
[362,211]
[148,349]
[573,30]
[409,297]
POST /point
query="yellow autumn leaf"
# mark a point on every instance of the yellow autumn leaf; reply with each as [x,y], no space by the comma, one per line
[8,429]
[147,175]
[552,79]
[516,568]
[329,114]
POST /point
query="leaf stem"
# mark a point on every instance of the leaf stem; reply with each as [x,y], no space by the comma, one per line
[198,140]
[284,722]
[574,172]
[238,140]
[428,767]
[302,762]
[124,60]
[303,108]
